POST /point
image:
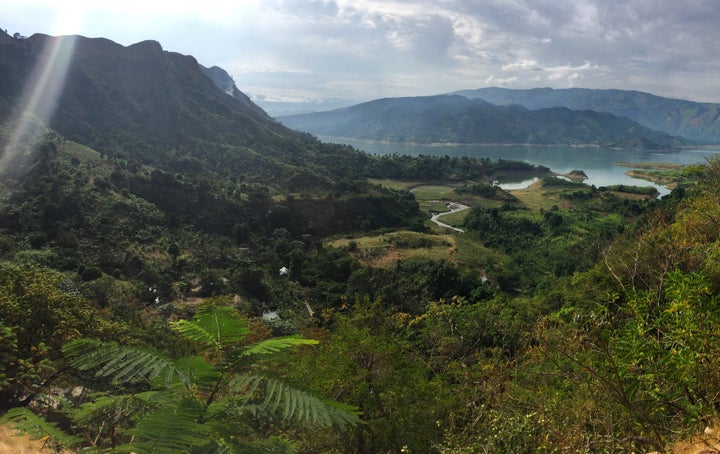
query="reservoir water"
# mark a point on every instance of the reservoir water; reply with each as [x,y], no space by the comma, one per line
[598,163]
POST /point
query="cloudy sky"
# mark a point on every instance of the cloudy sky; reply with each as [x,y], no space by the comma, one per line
[367,49]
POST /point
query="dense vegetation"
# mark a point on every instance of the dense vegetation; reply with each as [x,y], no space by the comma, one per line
[171,296]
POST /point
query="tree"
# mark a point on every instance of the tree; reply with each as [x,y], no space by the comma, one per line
[366,362]
[224,398]
[40,310]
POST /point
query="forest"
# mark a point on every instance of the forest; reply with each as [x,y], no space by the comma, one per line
[228,285]
[144,311]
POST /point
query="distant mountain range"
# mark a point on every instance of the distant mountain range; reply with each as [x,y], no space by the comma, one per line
[692,120]
[458,119]
[277,107]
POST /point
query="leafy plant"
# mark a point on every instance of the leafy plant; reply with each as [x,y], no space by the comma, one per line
[223,399]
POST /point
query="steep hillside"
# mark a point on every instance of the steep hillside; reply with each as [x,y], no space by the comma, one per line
[457,119]
[143,150]
[694,120]
[223,81]
[150,106]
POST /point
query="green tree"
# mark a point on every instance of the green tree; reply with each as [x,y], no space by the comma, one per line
[40,310]
[224,398]
[367,363]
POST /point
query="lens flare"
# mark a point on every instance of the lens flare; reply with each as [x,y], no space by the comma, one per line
[40,95]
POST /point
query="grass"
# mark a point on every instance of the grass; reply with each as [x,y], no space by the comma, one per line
[434,192]
[454,219]
[11,443]
[398,185]
[432,198]
[664,173]
[665,178]
[386,249]
[537,196]
[651,165]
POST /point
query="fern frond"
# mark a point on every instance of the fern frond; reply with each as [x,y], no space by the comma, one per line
[274,345]
[291,404]
[28,422]
[121,363]
[115,408]
[214,326]
[299,406]
[195,333]
[199,371]
[169,429]
[246,387]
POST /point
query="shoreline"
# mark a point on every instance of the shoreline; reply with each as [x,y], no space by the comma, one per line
[335,139]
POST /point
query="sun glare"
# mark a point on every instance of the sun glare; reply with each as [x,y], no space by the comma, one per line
[45,85]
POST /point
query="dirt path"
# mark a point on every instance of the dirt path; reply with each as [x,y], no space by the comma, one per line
[454,207]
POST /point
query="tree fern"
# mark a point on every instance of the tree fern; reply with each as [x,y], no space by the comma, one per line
[28,422]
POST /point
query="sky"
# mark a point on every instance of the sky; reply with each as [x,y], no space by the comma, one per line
[299,50]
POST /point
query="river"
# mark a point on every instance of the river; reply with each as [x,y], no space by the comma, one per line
[596,162]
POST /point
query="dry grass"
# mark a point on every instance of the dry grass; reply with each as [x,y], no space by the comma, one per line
[383,250]
[537,197]
[11,443]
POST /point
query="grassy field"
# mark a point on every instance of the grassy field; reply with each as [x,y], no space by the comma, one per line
[455,219]
[433,198]
[385,250]
[651,165]
[664,173]
[466,250]
[537,196]
[388,248]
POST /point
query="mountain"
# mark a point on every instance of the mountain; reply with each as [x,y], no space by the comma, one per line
[151,127]
[136,101]
[224,82]
[278,106]
[693,120]
[152,107]
[457,119]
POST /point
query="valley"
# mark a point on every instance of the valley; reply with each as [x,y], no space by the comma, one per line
[180,272]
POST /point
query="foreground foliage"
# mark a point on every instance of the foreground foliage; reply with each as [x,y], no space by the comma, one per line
[585,326]
[221,400]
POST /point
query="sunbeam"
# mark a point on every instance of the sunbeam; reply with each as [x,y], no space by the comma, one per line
[42,90]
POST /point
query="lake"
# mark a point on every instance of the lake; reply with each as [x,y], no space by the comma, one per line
[596,162]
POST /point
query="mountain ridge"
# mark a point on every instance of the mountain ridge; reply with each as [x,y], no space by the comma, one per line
[458,119]
[694,120]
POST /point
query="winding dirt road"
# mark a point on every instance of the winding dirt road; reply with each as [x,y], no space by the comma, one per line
[454,207]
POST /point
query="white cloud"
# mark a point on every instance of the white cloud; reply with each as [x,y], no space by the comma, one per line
[523,65]
[492,81]
[360,48]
